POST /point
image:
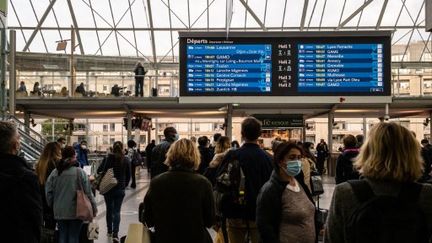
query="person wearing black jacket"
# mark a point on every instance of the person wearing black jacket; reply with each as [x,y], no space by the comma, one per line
[344,165]
[114,197]
[285,207]
[148,153]
[20,203]
[139,79]
[179,203]
[206,154]
[257,167]
[426,153]
[159,152]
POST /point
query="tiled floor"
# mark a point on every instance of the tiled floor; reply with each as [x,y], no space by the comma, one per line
[129,212]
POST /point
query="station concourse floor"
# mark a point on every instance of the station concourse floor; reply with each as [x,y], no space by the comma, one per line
[129,211]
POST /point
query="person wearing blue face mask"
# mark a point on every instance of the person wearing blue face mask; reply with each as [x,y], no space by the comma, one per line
[285,208]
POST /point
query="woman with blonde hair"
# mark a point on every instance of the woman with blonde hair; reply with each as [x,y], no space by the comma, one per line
[387,205]
[45,165]
[179,203]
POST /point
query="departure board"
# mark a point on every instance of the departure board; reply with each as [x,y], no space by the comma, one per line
[229,68]
[340,67]
[285,64]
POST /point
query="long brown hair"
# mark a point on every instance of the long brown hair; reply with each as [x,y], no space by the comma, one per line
[50,155]
[118,152]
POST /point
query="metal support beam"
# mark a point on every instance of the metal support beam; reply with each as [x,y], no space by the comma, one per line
[3,67]
[251,12]
[330,132]
[303,19]
[41,21]
[27,116]
[364,128]
[71,64]
[152,31]
[383,9]
[386,113]
[347,20]
[75,23]
[129,124]
[430,127]
[94,21]
[70,132]
[229,116]
[12,71]
[133,26]
[114,24]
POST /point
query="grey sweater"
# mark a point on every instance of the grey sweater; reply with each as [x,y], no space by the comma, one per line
[344,203]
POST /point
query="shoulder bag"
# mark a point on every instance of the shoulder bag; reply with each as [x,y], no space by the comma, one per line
[84,209]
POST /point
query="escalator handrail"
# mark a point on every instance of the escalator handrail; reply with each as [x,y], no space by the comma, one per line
[42,139]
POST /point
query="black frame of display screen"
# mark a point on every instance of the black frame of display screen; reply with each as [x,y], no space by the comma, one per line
[294,38]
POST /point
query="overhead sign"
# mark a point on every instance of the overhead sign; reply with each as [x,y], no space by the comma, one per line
[280,120]
[285,64]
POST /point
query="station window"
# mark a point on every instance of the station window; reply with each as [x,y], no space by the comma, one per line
[112,140]
[105,88]
[80,127]
[105,139]
[143,139]
[112,127]
[105,127]
[427,86]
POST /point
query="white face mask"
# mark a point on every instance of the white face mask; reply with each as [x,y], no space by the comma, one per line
[84,146]
[63,145]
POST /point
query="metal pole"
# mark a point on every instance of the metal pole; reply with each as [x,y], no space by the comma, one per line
[330,132]
[12,72]
[364,128]
[3,96]
[27,121]
[71,65]
[129,125]
[52,129]
[386,115]
[70,131]
[229,121]
[304,131]
[430,127]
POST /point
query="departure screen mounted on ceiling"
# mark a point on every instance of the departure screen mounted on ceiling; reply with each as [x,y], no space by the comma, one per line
[285,64]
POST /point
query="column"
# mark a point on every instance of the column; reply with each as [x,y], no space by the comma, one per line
[364,128]
[229,121]
[27,116]
[129,125]
[331,165]
[430,127]
[12,72]
[70,132]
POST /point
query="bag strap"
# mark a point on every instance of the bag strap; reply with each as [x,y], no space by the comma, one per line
[78,180]
[362,190]
[410,192]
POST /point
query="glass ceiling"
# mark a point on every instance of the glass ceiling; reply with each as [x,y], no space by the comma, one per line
[128,27]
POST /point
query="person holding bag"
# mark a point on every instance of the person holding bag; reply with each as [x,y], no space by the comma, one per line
[66,189]
[119,165]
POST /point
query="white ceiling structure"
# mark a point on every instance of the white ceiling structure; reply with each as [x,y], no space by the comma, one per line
[148,29]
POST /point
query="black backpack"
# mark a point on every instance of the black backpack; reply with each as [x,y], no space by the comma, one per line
[230,188]
[382,219]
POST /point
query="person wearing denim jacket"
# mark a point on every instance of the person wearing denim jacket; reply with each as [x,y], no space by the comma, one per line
[60,190]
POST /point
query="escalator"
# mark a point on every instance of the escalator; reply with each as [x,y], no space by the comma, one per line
[32,143]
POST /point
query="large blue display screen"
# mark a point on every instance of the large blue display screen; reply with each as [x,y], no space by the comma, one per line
[340,68]
[285,66]
[229,68]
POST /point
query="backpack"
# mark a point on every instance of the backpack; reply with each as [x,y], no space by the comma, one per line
[136,158]
[385,218]
[230,188]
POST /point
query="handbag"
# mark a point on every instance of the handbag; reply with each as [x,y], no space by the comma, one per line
[317,185]
[48,235]
[93,231]
[108,181]
[138,233]
[84,209]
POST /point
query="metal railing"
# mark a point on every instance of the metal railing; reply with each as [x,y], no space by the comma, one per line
[108,86]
